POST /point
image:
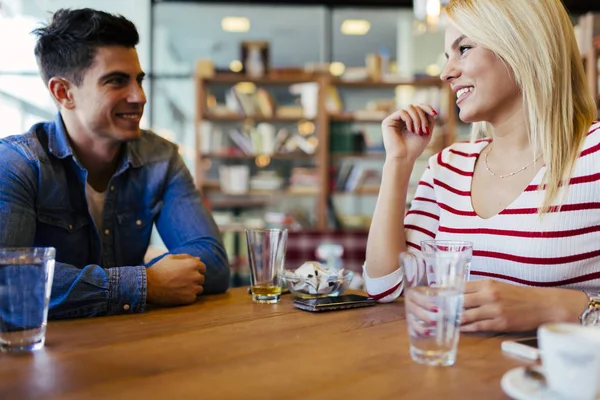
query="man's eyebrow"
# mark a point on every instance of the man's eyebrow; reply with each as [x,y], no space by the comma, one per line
[121,74]
[114,74]
[455,43]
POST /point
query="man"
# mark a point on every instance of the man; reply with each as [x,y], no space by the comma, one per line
[92,184]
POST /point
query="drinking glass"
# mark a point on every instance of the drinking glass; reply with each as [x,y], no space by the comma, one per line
[25,284]
[266,256]
[434,281]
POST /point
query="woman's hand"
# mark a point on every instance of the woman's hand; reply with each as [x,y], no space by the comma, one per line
[502,307]
[407,132]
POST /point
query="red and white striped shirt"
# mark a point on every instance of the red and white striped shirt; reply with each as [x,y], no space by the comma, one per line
[562,249]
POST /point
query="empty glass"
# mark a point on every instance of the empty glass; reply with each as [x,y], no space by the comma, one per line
[266,256]
[434,283]
[25,284]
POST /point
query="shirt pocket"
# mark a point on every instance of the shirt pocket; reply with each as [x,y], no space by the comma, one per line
[65,230]
[134,232]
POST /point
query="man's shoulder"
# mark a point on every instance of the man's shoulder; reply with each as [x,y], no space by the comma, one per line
[31,145]
[151,147]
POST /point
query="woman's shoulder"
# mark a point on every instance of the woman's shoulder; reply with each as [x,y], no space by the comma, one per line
[592,141]
[460,152]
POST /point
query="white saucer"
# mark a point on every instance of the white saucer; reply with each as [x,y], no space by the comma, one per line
[520,387]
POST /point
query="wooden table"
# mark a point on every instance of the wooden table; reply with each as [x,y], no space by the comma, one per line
[227,347]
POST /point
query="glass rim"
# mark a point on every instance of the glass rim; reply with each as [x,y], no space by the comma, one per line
[448,242]
[26,250]
[267,230]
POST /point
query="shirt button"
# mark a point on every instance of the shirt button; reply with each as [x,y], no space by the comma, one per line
[138,222]
[126,307]
[112,188]
[106,232]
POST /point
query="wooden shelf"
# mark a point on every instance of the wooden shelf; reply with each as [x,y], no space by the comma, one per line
[242,118]
[277,156]
[427,81]
[267,80]
[238,203]
[373,156]
[352,118]
[359,192]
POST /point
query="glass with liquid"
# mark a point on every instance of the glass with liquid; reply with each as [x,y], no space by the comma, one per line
[25,283]
[434,281]
[266,257]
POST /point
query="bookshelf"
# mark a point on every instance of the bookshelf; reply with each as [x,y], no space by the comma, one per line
[319,162]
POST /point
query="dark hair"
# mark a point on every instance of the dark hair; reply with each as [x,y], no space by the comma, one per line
[67,46]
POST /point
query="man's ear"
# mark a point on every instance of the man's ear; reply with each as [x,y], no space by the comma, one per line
[61,91]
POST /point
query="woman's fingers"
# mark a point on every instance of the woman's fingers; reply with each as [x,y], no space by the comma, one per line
[421,314]
[415,119]
[424,121]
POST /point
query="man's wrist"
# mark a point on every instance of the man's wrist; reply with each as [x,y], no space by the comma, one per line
[127,290]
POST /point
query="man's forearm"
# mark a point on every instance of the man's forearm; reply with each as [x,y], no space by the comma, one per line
[94,291]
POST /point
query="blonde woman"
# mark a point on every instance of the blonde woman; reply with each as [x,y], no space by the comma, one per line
[527,196]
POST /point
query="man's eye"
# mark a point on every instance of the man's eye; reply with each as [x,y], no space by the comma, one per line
[116,81]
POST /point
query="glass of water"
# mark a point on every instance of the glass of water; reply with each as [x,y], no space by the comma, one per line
[266,256]
[25,284]
[434,282]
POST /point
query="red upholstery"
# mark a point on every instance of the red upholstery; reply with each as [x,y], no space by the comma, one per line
[302,245]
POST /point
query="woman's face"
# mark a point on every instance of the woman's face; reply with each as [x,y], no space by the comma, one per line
[484,86]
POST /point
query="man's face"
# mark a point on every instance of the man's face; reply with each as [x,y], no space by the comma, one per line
[110,100]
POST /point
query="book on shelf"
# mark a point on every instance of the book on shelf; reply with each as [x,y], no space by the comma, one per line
[251,103]
[262,139]
[304,180]
[357,177]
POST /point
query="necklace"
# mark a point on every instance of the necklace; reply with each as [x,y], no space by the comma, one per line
[485,162]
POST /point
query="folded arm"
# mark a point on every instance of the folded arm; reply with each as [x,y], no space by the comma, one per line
[76,292]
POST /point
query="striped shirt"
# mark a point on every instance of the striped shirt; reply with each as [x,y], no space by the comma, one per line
[562,249]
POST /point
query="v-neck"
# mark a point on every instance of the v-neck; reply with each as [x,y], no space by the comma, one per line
[536,180]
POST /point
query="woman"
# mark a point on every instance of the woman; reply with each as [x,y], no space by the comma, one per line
[527,196]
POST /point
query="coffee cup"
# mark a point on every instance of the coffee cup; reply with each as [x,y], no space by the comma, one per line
[571,359]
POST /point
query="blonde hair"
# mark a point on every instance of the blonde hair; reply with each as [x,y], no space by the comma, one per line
[536,39]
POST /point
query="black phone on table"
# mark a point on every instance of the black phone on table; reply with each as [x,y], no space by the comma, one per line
[524,348]
[334,303]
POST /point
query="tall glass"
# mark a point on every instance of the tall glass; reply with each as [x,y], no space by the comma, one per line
[25,283]
[266,255]
[434,282]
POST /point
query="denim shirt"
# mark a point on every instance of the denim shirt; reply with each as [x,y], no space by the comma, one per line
[43,203]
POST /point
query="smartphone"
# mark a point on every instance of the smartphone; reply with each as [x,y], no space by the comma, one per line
[334,303]
[524,348]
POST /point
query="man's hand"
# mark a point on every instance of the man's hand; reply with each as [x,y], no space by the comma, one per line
[502,307]
[175,280]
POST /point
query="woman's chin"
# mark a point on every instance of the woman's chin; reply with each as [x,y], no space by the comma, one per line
[467,117]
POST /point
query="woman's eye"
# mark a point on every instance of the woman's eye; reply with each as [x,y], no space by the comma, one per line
[462,49]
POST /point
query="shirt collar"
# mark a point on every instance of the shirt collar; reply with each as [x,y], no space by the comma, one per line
[59,146]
